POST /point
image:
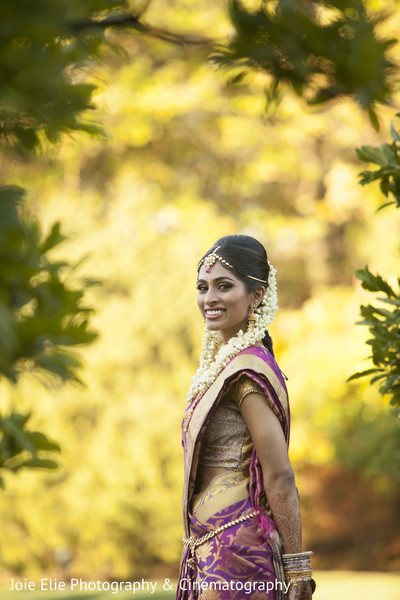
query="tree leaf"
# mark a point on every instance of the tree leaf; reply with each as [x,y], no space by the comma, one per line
[394,133]
[42,442]
[373,117]
[374,283]
[362,374]
[54,238]
[371,154]
[39,463]
[385,205]
[377,378]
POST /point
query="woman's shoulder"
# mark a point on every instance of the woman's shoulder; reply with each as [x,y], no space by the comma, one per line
[259,360]
[252,353]
[244,385]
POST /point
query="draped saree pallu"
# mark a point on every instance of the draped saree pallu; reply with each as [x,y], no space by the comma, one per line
[232,549]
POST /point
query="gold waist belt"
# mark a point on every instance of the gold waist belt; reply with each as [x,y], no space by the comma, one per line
[192,542]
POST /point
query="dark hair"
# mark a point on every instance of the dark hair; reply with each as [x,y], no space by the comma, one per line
[248,257]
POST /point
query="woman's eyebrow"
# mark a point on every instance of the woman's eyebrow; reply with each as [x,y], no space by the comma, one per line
[216,279]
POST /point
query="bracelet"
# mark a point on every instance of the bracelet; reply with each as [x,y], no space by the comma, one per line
[247,392]
[298,561]
[298,573]
[297,567]
[295,580]
[295,555]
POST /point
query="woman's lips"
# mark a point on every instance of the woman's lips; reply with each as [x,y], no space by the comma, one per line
[214,313]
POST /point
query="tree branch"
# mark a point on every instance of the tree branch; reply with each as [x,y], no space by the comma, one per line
[133,22]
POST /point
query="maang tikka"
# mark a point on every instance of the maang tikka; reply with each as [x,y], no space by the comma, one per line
[210,260]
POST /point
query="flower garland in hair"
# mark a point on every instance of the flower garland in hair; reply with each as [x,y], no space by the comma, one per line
[215,354]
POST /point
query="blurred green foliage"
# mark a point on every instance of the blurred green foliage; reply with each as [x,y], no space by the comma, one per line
[22,448]
[383,323]
[387,156]
[41,319]
[324,50]
[43,49]
[43,52]
[41,315]
[384,326]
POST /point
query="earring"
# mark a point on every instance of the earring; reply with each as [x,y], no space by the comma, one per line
[252,316]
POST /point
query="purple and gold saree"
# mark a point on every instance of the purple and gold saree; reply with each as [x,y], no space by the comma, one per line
[232,548]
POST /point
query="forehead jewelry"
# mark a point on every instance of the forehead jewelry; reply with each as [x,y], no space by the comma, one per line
[210,260]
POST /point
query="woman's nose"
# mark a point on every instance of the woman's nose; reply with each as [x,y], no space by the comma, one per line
[211,296]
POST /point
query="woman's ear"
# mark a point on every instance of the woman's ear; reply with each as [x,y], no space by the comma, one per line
[258,295]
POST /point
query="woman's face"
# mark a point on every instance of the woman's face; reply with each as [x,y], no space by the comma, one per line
[223,300]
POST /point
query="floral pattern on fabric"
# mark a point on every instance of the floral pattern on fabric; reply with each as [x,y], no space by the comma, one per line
[235,564]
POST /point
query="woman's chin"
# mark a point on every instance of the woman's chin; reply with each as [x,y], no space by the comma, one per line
[212,326]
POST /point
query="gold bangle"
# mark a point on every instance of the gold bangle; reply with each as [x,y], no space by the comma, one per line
[296,574]
[247,392]
[306,554]
[297,580]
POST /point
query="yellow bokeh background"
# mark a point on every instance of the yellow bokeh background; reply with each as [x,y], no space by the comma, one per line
[188,159]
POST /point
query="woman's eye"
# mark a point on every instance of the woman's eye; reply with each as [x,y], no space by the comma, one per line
[201,288]
[225,286]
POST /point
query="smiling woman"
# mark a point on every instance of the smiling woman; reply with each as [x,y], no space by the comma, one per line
[240,504]
[224,300]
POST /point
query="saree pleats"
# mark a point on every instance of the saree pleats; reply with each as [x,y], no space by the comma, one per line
[235,564]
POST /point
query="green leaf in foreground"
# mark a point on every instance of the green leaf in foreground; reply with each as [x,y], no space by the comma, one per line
[384,327]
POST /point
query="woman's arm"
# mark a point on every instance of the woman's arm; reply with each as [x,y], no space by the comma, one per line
[279,482]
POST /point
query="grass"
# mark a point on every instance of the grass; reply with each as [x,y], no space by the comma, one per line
[334,585]
[331,585]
